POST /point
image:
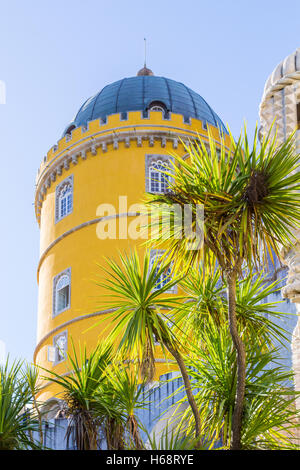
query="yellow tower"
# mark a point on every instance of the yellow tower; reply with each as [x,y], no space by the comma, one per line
[106,160]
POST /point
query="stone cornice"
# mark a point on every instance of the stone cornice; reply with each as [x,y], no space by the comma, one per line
[70,322]
[96,137]
[70,156]
[67,323]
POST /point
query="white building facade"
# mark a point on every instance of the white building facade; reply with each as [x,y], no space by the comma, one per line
[280,106]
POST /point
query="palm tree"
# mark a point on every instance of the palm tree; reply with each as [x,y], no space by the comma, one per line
[16,420]
[250,198]
[176,439]
[270,418]
[112,416]
[136,295]
[32,377]
[80,389]
[126,385]
[205,300]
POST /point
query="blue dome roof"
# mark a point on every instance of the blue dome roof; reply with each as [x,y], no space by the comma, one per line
[138,93]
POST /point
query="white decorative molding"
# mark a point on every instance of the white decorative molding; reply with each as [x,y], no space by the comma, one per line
[150,160]
[296,355]
[67,183]
[93,150]
[155,255]
[63,160]
[292,291]
[63,274]
[278,107]
[291,258]
[67,323]
[80,227]
[60,344]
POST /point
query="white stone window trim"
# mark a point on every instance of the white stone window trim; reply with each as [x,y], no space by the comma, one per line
[66,272]
[156,107]
[151,159]
[156,254]
[57,359]
[67,181]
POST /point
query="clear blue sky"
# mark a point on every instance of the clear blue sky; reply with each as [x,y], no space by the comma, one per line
[56,53]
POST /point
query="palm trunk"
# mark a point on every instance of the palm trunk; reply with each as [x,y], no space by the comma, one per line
[134,433]
[188,389]
[241,363]
[114,434]
[84,430]
[87,443]
[36,406]
[30,434]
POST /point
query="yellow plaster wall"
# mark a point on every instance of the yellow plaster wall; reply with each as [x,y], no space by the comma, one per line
[97,179]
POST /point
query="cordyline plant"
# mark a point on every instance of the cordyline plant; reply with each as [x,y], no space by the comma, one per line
[270,420]
[31,376]
[250,197]
[124,382]
[142,315]
[205,301]
[17,422]
[79,391]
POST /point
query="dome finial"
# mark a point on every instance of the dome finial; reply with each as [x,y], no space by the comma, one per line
[145,71]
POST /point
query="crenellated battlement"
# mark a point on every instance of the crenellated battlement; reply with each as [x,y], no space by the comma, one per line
[126,129]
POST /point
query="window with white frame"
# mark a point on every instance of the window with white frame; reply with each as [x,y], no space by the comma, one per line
[157,108]
[157,181]
[64,199]
[57,352]
[61,292]
[165,276]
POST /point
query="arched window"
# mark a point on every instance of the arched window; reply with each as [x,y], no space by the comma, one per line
[61,292]
[158,106]
[57,352]
[64,199]
[158,180]
[60,347]
[165,276]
